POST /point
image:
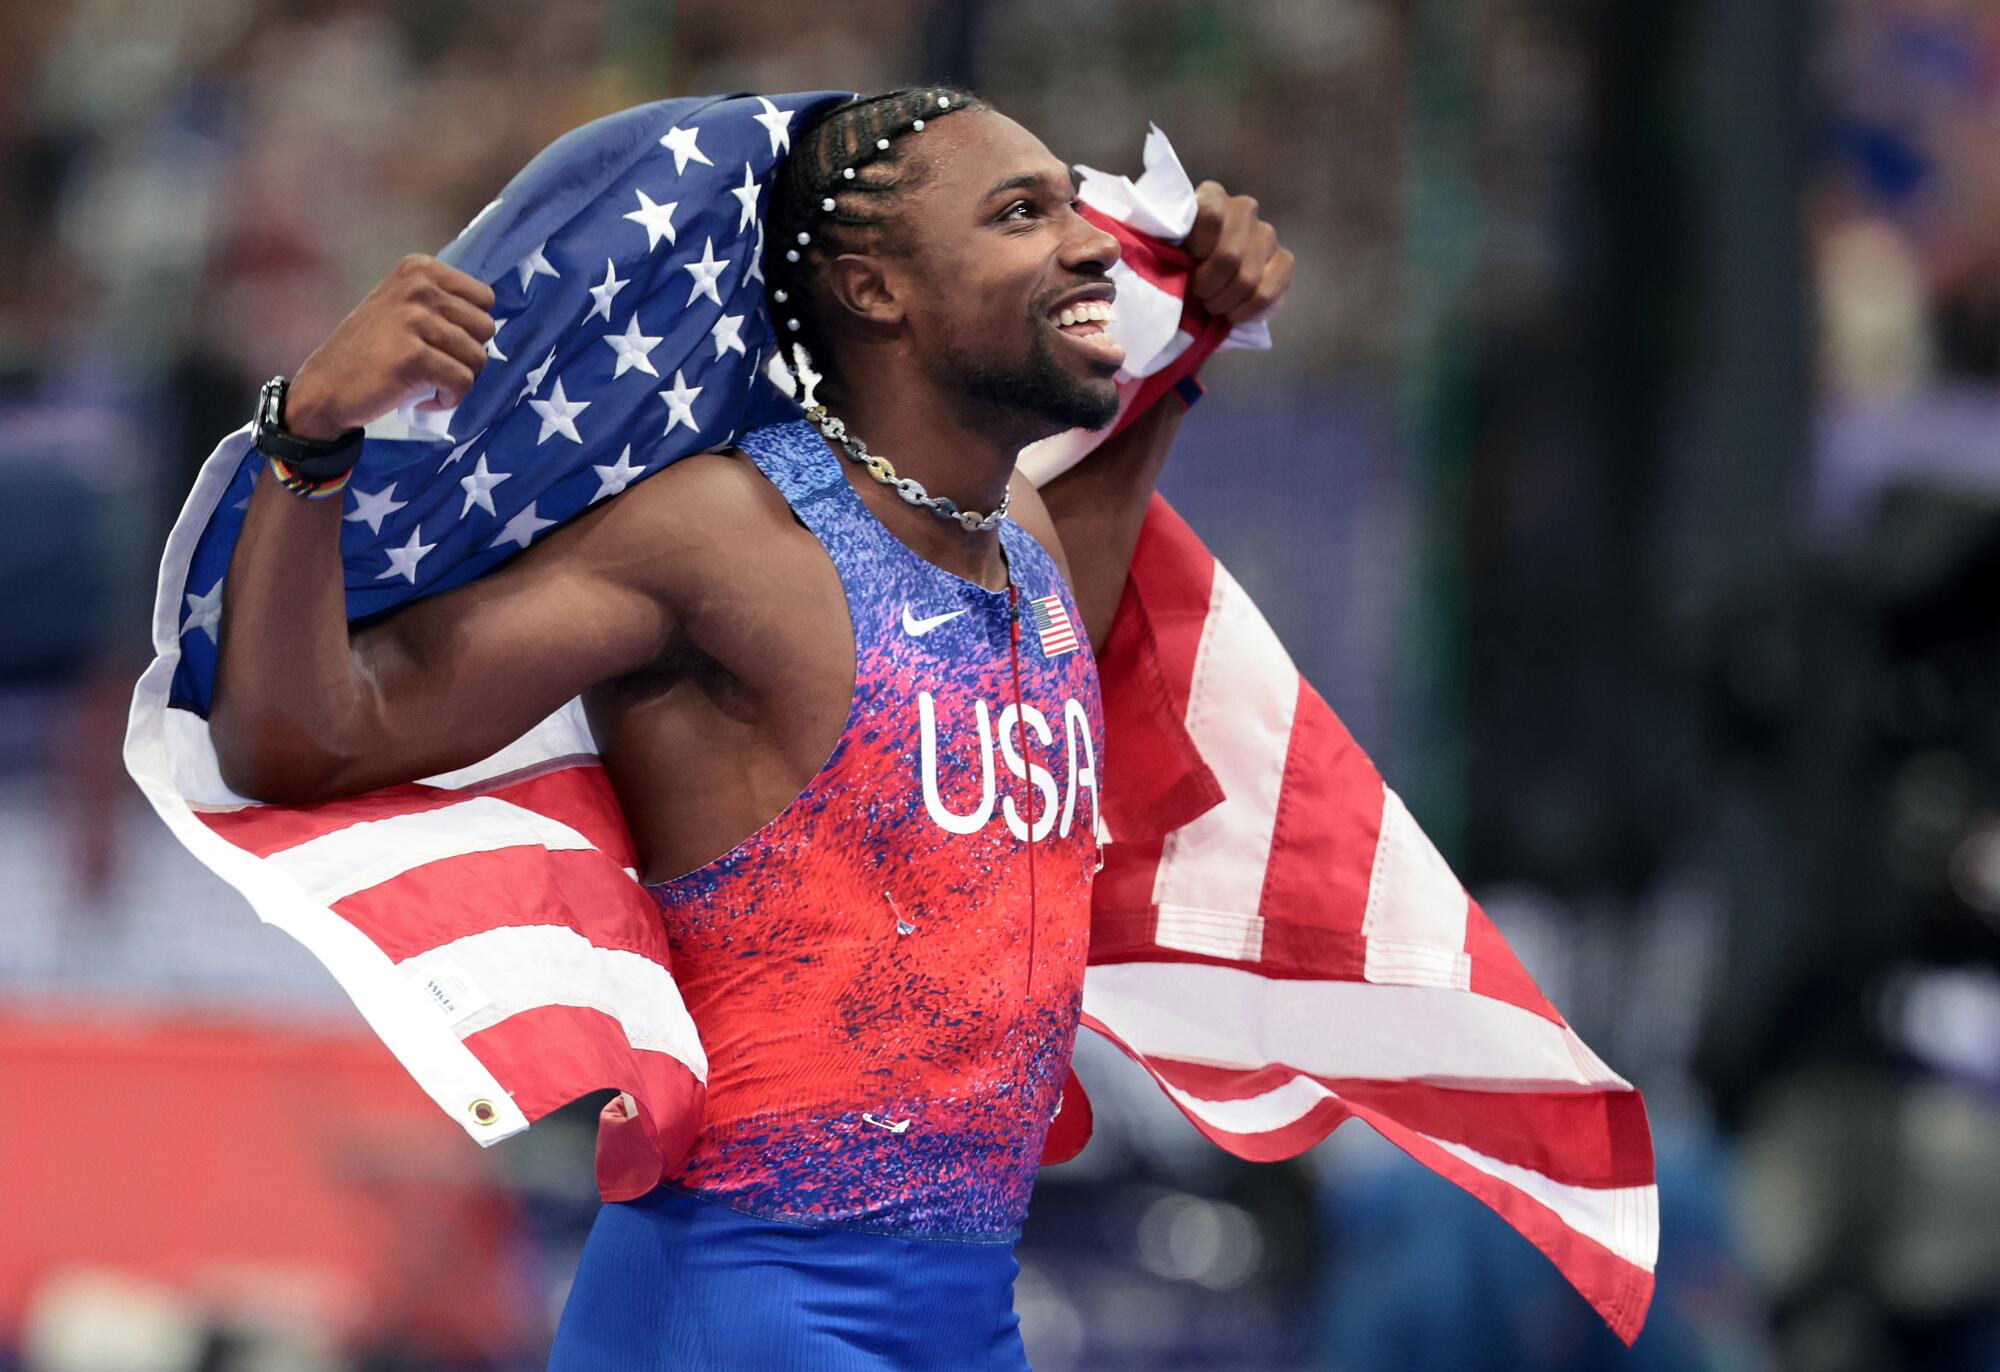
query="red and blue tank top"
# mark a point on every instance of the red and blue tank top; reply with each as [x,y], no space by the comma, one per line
[887,976]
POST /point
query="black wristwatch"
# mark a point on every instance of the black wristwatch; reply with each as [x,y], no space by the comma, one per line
[311,459]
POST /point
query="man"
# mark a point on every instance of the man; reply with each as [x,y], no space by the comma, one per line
[857,743]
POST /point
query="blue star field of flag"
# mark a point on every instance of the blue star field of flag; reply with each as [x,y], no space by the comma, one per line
[626,262]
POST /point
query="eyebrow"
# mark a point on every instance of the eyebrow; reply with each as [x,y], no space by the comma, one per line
[1025,181]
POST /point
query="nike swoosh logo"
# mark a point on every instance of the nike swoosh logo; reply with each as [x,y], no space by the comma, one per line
[898,1127]
[917,628]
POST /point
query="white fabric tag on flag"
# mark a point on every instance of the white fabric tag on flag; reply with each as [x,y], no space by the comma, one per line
[455,993]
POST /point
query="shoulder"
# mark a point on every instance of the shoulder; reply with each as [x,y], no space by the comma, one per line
[685,522]
[698,490]
[1029,511]
[710,494]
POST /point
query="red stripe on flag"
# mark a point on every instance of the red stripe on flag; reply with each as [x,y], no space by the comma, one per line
[267,829]
[1174,575]
[1619,1291]
[1322,850]
[1597,1138]
[1169,783]
[1147,665]
[1496,972]
[549,1056]
[1122,918]
[580,796]
[456,897]
[1157,261]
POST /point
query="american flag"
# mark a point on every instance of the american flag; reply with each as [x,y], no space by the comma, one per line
[1051,621]
[1273,938]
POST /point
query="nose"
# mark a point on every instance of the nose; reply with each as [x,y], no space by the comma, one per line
[1087,248]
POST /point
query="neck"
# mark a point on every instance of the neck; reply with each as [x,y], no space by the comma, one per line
[967,458]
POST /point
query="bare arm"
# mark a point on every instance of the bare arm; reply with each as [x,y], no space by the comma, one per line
[1099,505]
[303,710]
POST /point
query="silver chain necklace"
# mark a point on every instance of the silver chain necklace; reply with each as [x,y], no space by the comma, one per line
[907,487]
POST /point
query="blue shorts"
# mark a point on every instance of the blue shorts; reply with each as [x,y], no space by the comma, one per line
[673,1281]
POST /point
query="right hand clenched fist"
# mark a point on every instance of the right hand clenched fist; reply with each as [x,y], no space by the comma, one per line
[425,327]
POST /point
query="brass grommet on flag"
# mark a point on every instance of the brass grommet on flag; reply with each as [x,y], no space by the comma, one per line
[484,1112]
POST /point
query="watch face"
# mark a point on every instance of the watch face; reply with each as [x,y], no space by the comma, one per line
[269,401]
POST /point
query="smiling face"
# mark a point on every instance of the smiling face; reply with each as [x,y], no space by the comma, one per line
[994,257]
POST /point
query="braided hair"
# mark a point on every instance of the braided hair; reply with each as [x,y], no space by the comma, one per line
[836,194]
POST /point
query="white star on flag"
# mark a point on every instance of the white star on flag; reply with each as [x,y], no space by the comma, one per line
[403,561]
[461,450]
[493,343]
[604,293]
[746,195]
[680,403]
[727,334]
[523,527]
[535,264]
[478,490]
[777,123]
[375,507]
[559,413]
[681,143]
[657,220]
[755,271]
[535,377]
[634,349]
[706,272]
[205,611]
[491,206]
[615,478]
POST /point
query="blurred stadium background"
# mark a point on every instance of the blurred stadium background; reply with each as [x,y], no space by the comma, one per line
[1627,475]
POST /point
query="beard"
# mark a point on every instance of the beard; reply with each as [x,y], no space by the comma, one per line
[1036,388]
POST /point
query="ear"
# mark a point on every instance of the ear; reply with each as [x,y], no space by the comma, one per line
[867,288]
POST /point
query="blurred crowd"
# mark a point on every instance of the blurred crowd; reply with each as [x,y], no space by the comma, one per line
[1633,416]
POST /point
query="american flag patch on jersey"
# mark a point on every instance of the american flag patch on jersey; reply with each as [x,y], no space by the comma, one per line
[1052,620]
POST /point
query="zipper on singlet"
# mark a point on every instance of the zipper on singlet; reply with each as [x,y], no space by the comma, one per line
[1027,766]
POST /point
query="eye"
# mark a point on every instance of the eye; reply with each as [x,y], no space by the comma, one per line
[1026,207]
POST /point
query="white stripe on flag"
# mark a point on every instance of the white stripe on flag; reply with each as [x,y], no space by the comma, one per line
[1415,923]
[1274,1109]
[523,967]
[1240,706]
[192,768]
[1229,1017]
[373,851]
[1625,1219]
[1148,322]
[564,734]
[198,776]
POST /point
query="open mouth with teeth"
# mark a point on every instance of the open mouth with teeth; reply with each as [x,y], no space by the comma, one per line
[1085,322]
